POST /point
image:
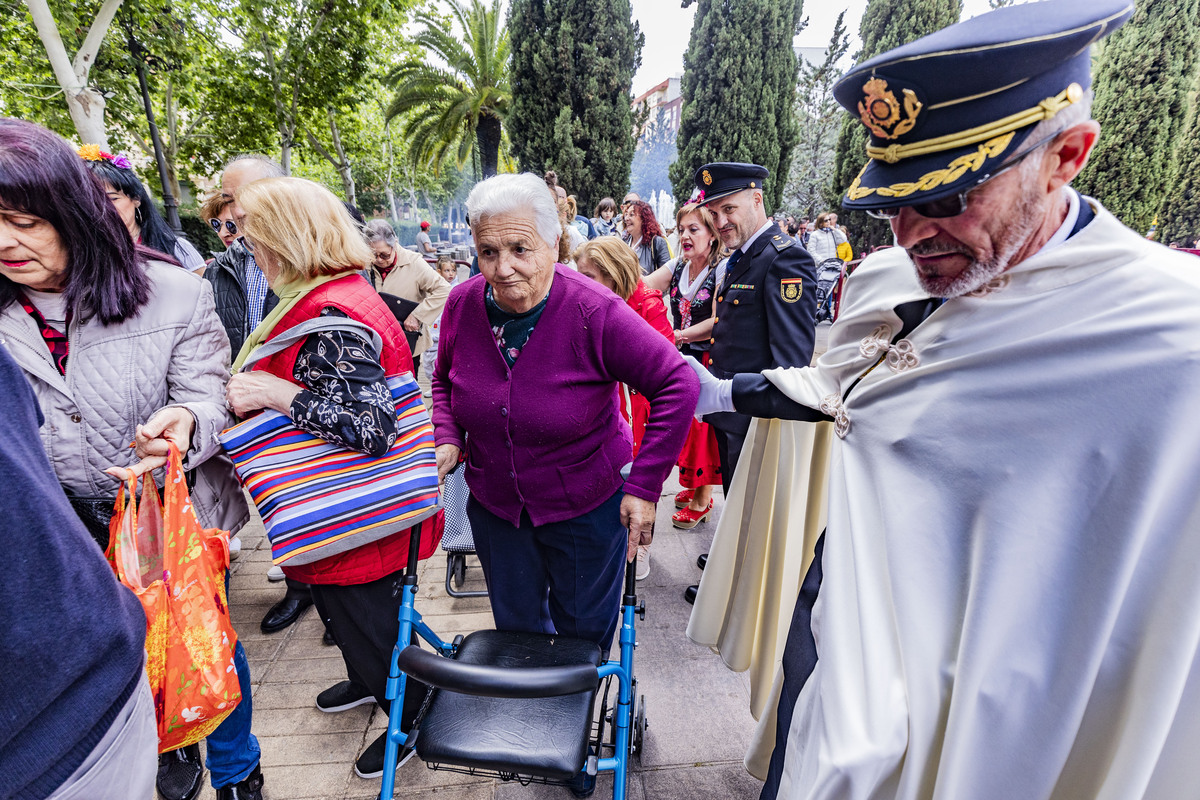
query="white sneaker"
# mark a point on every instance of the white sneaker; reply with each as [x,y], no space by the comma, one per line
[643,562]
[235,547]
[275,573]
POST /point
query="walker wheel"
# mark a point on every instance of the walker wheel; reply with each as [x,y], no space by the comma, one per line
[638,740]
[459,570]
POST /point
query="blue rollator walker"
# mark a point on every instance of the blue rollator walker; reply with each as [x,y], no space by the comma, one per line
[517,706]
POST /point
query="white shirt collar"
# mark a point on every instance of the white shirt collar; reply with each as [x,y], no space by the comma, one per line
[1064,230]
[746,244]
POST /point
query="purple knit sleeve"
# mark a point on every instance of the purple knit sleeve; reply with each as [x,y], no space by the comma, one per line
[639,356]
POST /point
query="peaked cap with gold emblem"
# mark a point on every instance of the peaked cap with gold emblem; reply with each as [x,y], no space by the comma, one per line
[722,178]
[944,111]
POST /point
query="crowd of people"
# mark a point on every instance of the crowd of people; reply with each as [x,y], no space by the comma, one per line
[1003,599]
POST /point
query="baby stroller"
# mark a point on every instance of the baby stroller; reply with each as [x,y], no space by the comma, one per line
[829,278]
[517,706]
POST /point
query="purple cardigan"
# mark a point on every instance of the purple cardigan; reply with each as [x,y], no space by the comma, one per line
[547,436]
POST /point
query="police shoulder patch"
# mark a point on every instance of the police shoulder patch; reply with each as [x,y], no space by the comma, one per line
[790,289]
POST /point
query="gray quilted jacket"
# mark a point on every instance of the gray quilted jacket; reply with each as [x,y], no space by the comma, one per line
[172,352]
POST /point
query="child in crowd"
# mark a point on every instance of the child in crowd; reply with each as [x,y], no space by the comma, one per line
[449,271]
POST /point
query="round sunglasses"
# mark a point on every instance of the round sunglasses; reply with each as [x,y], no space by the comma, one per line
[955,204]
[230,225]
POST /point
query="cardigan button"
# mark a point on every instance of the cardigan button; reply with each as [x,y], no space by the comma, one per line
[512,474]
[504,412]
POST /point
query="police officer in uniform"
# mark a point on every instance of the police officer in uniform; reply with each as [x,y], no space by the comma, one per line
[766,301]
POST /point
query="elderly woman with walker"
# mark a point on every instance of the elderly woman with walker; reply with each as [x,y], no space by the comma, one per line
[526,389]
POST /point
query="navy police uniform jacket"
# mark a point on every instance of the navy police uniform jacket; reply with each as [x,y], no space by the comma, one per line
[765,311]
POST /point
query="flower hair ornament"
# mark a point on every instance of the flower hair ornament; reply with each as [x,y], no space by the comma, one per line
[92,152]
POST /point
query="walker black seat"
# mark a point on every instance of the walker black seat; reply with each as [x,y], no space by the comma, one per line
[515,733]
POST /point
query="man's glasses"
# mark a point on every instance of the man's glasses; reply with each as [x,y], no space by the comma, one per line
[230,225]
[955,204]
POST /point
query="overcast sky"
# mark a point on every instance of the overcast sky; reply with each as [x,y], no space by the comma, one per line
[667,28]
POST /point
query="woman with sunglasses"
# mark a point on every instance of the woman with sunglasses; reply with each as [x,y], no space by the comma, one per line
[218,210]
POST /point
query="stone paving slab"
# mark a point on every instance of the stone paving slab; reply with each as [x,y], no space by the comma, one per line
[700,723]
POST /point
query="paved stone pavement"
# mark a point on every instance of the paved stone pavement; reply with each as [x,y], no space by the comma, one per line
[699,711]
[700,723]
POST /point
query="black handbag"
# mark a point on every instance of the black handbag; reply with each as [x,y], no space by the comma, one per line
[95,513]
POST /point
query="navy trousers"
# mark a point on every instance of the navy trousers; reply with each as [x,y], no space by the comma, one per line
[564,578]
[799,661]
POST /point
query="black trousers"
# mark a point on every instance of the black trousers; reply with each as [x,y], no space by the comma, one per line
[799,661]
[729,450]
[365,622]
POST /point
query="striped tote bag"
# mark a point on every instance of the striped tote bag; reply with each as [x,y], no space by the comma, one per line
[318,499]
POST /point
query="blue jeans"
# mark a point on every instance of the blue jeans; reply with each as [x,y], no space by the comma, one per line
[232,749]
[564,577]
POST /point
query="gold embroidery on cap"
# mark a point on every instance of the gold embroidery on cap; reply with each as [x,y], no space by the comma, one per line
[1022,119]
[880,110]
[706,178]
[972,162]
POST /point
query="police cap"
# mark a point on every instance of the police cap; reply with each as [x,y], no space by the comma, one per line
[944,111]
[723,178]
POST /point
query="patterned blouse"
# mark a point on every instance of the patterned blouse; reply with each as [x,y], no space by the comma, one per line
[346,399]
[691,312]
[511,331]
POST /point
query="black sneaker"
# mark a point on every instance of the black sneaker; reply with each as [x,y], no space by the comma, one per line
[370,763]
[342,696]
[179,773]
[249,788]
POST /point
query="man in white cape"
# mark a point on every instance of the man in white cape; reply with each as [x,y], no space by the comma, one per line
[1006,601]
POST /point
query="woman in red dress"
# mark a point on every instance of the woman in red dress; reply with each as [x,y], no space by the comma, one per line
[609,261]
[690,282]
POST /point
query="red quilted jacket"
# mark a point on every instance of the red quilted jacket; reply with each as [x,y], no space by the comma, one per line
[354,296]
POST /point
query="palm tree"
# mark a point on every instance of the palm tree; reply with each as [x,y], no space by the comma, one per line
[460,107]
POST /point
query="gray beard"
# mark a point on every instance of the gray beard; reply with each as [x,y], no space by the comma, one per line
[977,273]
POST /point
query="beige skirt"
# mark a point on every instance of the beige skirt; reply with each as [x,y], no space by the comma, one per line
[760,552]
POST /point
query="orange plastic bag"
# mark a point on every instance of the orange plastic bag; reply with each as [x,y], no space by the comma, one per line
[177,570]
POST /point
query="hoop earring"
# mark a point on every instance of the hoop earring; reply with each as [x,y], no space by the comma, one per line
[137,216]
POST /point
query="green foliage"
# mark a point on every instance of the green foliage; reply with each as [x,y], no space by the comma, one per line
[1141,89]
[886,24]
[739,85]
[819,116]
[573,66]
[458,109]
[1179,220]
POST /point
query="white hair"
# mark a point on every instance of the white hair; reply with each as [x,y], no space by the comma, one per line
[1072,115]
[264,166]
[380,230]
[524,194]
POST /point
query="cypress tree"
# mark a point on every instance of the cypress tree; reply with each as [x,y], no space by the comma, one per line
[1142,80]
[572,70]
[739,83]
[886,24]
[1179,220]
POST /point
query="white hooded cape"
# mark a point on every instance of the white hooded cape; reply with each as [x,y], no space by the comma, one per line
[1011,599]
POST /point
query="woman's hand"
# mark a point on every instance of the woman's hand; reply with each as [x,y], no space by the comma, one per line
[679,340]
[638,516]
[250,391]
[447,459]
[152,441]
[412,324]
